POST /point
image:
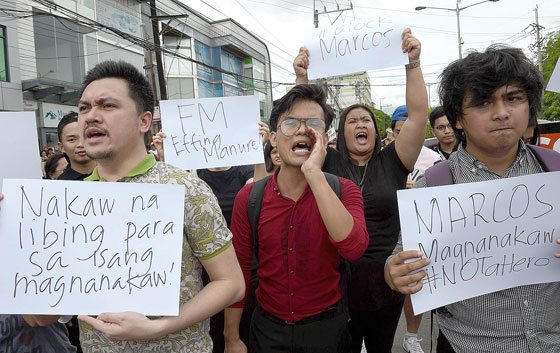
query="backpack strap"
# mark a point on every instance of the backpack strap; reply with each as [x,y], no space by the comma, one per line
[334,182]
[439,174]
[549,159]
[254,205]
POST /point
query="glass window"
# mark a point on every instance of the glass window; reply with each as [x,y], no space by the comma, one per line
[3,55]
[91,52]
[207,89]
[232,91]
[89,3]
[180,88]
[203,54]
[258,70]
[174,65]
[59,48]
[68,51]
[45,46]
[232,64]
[110,52]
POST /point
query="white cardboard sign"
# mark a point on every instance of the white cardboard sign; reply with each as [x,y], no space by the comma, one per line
[74,247]
[354,47]
[212,132]
[21,159]
[482,237]
[554,81]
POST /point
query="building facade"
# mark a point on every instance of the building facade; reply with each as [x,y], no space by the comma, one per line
[10,74]
[47,46]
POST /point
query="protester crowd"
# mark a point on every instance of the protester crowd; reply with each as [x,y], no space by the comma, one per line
[303,253]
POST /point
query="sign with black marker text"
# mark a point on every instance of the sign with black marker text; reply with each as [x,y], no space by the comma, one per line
[482,237]
[23,161]
[72,247]
[212,132]
[354,46]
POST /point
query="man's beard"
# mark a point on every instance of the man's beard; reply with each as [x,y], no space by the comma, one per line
[101,155]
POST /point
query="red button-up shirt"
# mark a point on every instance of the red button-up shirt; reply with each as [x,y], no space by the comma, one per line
[298,260]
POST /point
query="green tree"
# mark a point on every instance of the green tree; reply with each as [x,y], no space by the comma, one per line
[551,53]
[383,122]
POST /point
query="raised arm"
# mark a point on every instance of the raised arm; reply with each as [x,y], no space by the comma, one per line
[341,223]
[301,64]
[410,140]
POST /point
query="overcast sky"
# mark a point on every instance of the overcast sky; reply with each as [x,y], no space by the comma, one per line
[281,24]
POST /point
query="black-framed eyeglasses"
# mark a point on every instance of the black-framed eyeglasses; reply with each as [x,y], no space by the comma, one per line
[291,125]
[444,127]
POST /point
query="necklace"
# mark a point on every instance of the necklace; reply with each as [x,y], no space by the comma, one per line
[363,178]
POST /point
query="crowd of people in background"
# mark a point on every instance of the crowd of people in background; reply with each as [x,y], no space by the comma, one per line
[320,268]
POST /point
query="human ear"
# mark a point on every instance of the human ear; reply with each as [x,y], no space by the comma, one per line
[145,121]
[272,138]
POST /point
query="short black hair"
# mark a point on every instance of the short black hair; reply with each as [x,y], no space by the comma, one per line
[51,164]
[70,117]
[303,92]
[482,73]
[436,113]
[139,88]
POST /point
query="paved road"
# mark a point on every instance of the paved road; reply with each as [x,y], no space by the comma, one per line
[423,333]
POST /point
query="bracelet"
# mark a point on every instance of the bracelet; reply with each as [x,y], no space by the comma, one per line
[412,65]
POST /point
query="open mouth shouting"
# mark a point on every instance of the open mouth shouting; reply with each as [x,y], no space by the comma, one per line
[301,148]
[361,138]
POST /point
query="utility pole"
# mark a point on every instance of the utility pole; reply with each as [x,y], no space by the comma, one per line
[157,44]
[315,16]
[539,43]
[316,12]
[358,90]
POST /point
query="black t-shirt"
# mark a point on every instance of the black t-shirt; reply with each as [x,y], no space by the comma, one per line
[384,175]
[226,184]
[71,174]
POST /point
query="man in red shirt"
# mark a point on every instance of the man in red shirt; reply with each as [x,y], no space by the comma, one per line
[303,230]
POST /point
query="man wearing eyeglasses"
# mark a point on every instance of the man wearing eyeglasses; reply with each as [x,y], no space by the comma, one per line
[303,229]
[442,130]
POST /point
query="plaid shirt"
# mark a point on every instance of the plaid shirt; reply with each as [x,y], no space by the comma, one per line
[517,320]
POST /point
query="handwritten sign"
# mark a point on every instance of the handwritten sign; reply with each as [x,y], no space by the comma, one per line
[554,81]
[73,247]
[482,237]
[353,47]
[212,132]
[23,161]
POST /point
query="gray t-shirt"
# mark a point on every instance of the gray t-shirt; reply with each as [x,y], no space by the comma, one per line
[16,336]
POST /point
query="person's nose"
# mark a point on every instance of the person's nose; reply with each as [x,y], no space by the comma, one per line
[500,110]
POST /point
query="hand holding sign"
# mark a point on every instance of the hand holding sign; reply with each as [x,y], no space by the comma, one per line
[127,326]
[410,45]
[67,249]
[301,64]
[480,237]
[403,275]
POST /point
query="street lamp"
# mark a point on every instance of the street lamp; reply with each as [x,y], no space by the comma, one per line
[457,11]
